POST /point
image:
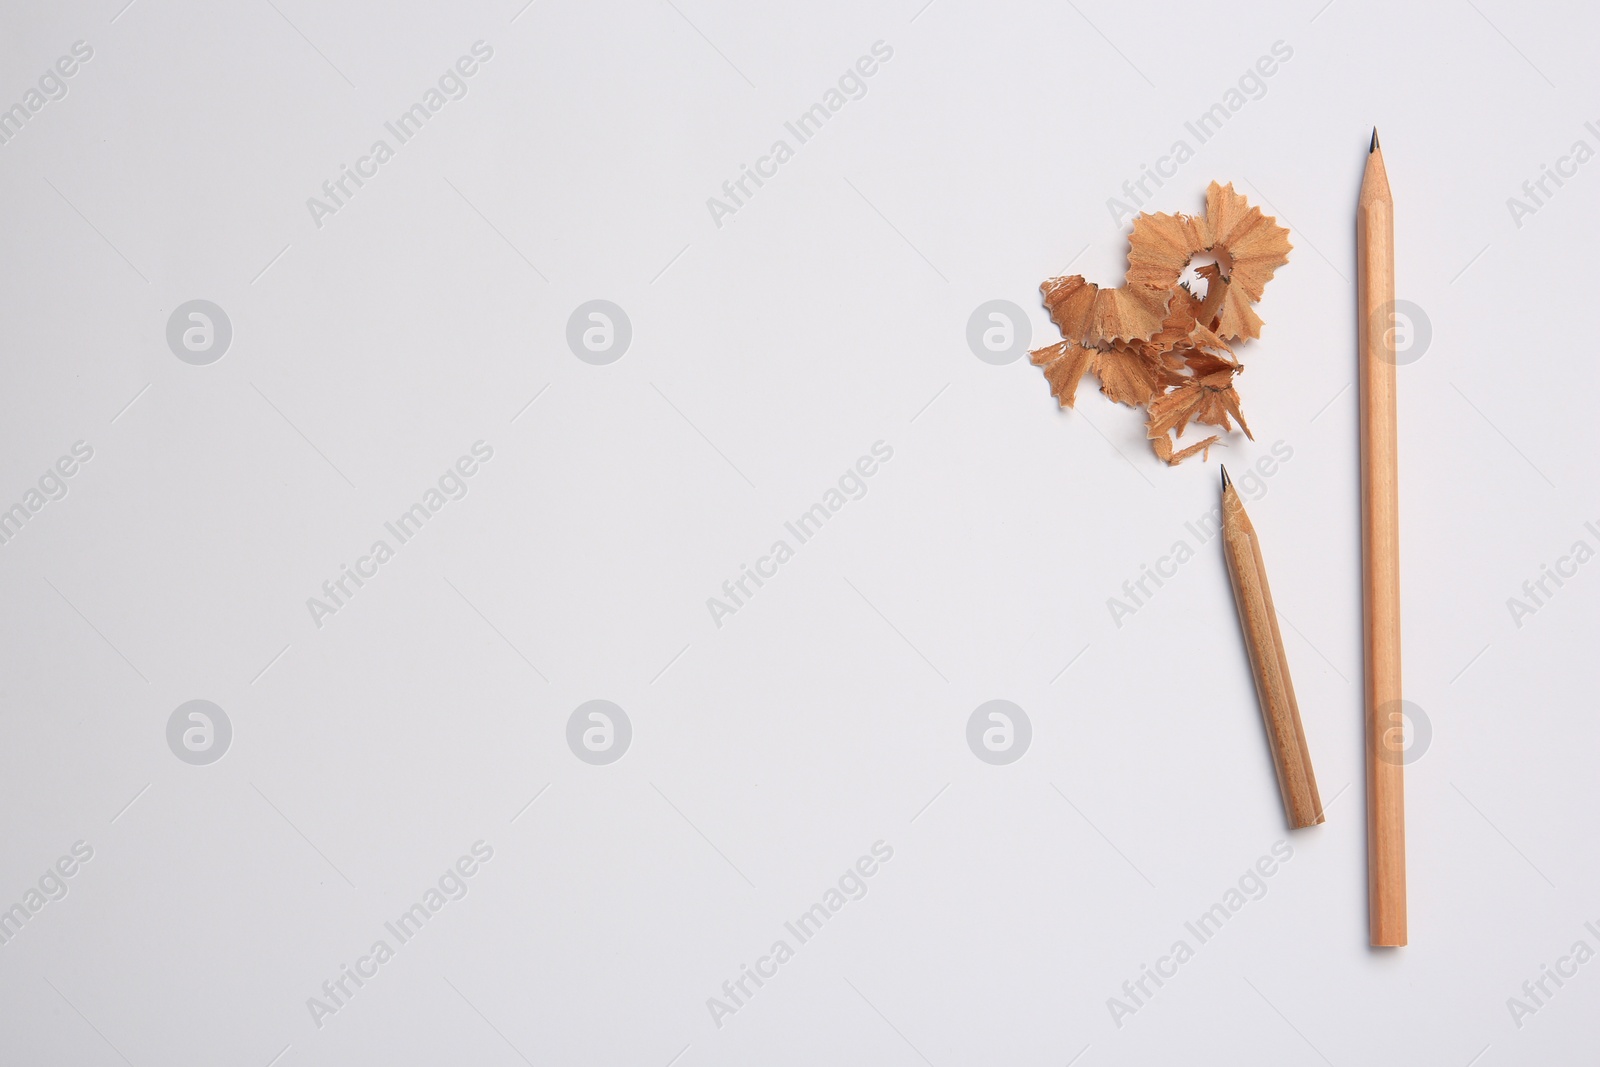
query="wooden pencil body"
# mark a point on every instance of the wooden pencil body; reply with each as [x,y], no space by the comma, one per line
[1380,556]
[1268,663]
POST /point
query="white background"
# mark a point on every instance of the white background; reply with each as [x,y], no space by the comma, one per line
[767,355]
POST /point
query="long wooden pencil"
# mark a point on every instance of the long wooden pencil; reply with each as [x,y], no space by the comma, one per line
[1380,555]
[1259,621]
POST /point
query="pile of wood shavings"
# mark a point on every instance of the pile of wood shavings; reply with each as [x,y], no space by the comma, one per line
[1152,342]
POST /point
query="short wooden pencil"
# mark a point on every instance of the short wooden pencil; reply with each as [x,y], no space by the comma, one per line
[1380,554]
[1259,621]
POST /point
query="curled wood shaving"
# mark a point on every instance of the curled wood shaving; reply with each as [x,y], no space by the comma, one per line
[1090,315]
[1209,399]
[1129,375]
[1255,244]
[1152,342]
[1065,364]
[1164,450]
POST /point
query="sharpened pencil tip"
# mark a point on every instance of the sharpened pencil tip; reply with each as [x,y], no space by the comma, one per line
[1225,480]
[1374,146]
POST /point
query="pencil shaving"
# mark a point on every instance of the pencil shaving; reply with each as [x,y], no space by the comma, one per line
[1152,342]
[1094,316]
[1163,447]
